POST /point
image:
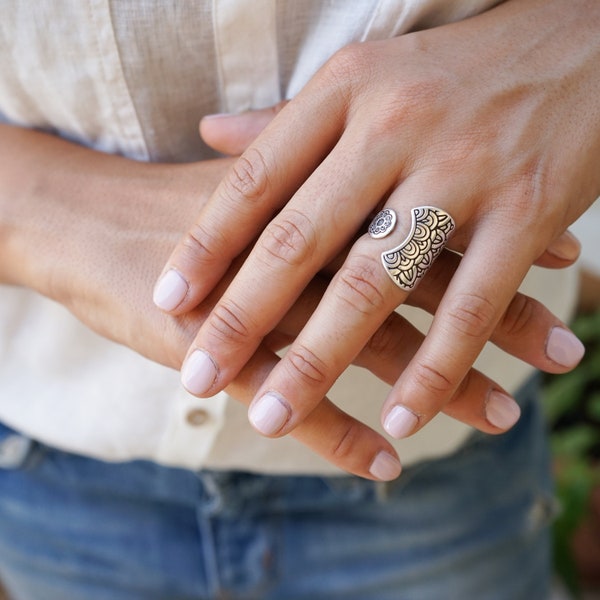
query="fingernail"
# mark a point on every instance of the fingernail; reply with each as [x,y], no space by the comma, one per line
[564,348]
[269,414]
[385,467]
[501,410]
[566,247]
[218,116]
[170,290]
[198,373]
[400,422]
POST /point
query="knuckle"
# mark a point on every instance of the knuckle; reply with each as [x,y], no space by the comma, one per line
[199,244]
[472,315]
[230,323]
[249,176]
[290,238]
[305,366]
[432,379]
[357,284]
[519,315]
[348,68]
[347,60]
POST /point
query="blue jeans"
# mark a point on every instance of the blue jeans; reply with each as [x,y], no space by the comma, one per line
[473,525]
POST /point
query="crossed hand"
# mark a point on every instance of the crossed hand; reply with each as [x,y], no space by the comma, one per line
[474,119]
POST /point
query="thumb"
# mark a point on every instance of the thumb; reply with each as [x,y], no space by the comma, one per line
[231,134]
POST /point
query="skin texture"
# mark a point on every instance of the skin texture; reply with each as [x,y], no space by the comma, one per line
[495,119]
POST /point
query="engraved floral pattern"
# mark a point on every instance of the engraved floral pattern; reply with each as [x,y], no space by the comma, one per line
[383,223]
[407,263]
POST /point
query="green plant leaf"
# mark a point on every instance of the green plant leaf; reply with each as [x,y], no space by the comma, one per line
[587,327]
[593,407]
[561,393]
[574,442]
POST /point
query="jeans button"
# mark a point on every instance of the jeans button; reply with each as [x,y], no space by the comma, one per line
[13,451]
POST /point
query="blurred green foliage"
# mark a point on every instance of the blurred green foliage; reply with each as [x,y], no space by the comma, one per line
[572,403]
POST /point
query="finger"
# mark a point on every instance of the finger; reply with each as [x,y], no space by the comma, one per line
[526,330]
[562,252]
[331,433]
[262,180]
[232,134]
[476,298]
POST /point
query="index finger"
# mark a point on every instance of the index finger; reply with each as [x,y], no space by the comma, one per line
[260,182]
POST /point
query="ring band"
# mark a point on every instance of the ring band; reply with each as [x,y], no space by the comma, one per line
[407,263]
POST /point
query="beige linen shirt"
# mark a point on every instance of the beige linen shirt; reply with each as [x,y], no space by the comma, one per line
[134,78]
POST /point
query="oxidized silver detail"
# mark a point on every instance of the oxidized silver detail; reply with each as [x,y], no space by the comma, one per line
[407,263]
[383,223]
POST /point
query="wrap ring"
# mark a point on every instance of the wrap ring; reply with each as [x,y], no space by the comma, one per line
[407,263]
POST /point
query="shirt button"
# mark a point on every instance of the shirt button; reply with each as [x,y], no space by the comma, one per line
[197,417]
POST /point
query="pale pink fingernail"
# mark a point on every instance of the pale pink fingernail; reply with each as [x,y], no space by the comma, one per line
[385,467]
[269,413]
[400,422]
[170,290]
[218,116]
[501,410]
[564,348]
[198,373]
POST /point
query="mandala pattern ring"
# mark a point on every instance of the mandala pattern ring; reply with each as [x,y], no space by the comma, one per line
[407,263]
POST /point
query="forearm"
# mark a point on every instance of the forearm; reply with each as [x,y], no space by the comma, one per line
[57,197]
[49,188]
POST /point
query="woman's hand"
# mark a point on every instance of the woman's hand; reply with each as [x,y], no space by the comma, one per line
[90,231]
[495,120]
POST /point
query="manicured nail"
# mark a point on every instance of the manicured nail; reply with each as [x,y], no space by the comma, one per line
[170,290]
[198,373]
[564,348]
[218,116]
[269,414]
[501,410]
[400,422]
[385,467]
[566,247]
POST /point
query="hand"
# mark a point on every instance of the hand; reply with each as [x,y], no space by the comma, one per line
[494,119]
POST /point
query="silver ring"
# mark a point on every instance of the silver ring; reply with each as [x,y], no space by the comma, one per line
[407,263]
